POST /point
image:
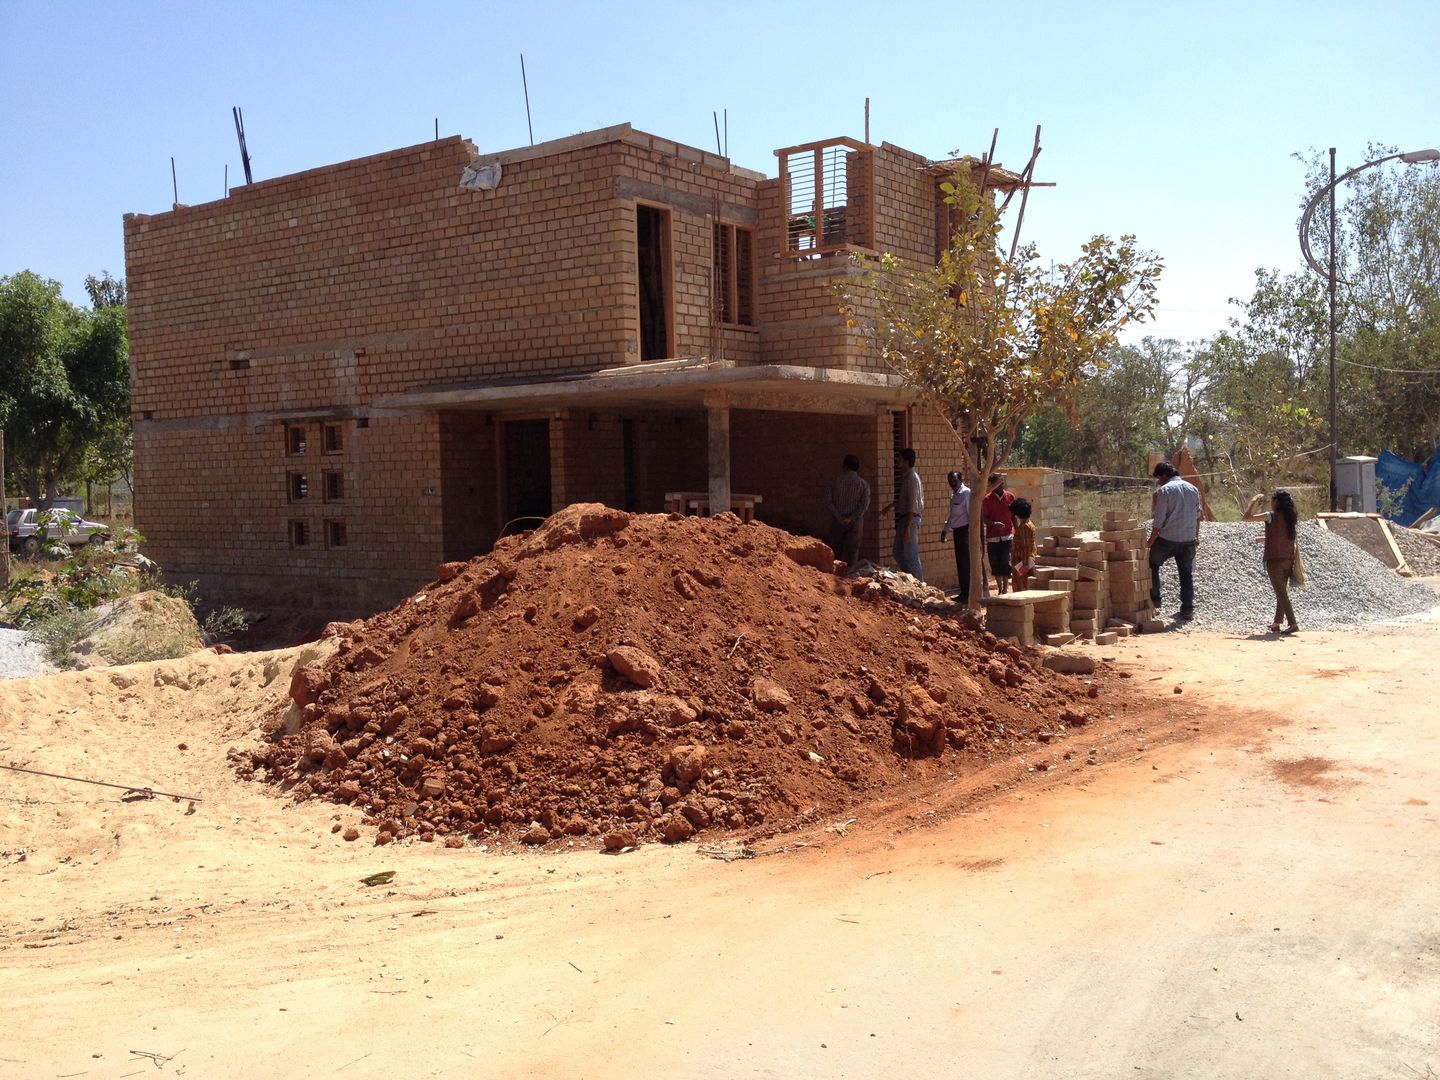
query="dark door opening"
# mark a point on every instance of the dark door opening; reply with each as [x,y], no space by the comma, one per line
[627,446]
[527,470]
[652,257]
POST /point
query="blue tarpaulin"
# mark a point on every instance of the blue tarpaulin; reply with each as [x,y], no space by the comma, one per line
[1419,483]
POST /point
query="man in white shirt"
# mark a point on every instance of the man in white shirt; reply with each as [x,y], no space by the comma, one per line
[959,523]
[1174,534]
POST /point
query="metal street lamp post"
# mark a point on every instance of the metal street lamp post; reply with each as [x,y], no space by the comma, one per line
[1410,158]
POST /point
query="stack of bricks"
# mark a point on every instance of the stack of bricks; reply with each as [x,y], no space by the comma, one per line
[1129,570]
[1090,602]
[1025,616]
[1044,488]
[1078,566]
[1057,562]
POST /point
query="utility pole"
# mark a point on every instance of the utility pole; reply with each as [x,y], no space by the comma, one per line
[4,512]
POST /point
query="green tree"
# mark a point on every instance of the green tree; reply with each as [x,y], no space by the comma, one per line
[1266,380]
[1388,303]
[986,339]
[64,381]
[1146,398]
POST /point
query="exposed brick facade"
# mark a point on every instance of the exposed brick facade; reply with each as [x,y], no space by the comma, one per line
[343,377]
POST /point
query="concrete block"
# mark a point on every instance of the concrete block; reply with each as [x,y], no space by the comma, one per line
[1070,663]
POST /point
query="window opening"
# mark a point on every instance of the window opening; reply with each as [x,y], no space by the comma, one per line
[900,438]
[299,487]
[334,486]
[294,441]
[335,534]
[334,439]
[734,274]
[652,259]
[299,534]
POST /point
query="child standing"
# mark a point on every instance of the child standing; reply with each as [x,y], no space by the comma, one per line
[1022,551]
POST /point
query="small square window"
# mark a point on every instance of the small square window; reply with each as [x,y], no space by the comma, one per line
[334,438]
[334,486]
[335,534]
[299,486]
[299,534]
[295,440]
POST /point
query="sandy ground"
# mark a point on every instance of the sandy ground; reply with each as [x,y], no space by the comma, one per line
[1246,888]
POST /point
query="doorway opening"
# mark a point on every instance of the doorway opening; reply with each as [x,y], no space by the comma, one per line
[527,471]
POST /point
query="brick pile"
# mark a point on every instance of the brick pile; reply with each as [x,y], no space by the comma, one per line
[1045,488]
[1057,562]
[1128,571]
[1065,560]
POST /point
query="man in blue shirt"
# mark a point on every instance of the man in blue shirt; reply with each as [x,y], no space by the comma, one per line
[1174,533]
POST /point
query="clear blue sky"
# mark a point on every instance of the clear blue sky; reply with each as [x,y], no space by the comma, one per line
[1174,121]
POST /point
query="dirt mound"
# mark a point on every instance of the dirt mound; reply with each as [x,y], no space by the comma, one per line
[645,677]
[140,627]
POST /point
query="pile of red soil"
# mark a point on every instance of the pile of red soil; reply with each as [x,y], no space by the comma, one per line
[646,677]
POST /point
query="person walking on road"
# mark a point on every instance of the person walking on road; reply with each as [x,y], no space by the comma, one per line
[849,499]
[1174,534]
[1281,552]
[958,523]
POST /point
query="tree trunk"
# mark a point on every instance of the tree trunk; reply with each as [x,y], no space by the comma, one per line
[979,486]
[978,570]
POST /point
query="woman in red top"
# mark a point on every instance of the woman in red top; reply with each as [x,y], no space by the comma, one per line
[1280,552]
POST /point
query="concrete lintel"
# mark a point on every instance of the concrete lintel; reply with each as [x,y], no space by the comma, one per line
[316,414]
[639,383]
[627,187]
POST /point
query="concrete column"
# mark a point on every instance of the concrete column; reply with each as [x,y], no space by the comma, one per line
[717,420]
[562,431]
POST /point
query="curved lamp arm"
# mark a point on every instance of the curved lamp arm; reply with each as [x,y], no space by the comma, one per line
[1411,157]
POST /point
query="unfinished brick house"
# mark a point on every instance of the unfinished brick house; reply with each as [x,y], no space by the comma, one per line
[344,377]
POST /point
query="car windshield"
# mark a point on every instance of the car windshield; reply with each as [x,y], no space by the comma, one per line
[13,518]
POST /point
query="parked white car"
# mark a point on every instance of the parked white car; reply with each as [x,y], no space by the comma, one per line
[64,525]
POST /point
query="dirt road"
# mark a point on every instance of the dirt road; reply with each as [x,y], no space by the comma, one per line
[1246,891]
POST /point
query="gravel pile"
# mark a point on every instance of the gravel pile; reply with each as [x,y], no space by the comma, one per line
[21,657]
[1348,587]
[1422,554]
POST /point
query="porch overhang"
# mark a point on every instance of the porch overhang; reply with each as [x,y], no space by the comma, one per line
[689,384]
